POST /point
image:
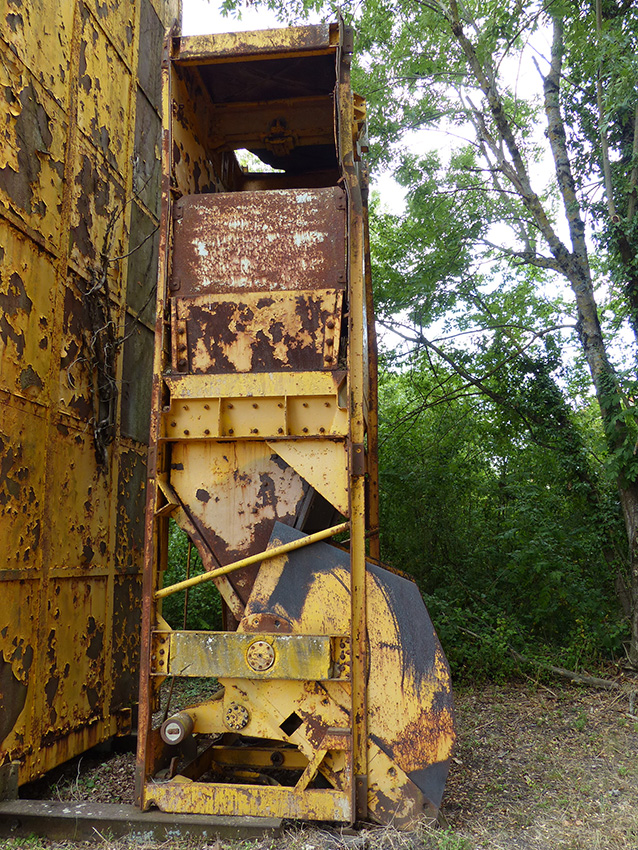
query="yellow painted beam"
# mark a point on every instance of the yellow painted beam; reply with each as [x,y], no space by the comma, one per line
[250,384]
[244,655]
[243,46]
[211,798]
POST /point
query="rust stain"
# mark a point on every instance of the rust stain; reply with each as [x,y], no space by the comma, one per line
[69,141]
[257,334]
[289,240]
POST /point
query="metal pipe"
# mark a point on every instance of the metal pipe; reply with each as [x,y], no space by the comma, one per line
[254,559]
[176,728]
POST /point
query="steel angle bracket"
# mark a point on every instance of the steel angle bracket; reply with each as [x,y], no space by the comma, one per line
[251,656]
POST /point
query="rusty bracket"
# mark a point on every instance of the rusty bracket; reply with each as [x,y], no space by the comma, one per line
[361,796]
[348,40]
[358,460]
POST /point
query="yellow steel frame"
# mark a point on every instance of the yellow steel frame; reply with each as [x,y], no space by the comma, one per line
[318,421]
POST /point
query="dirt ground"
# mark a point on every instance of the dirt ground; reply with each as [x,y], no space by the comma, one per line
[538,766]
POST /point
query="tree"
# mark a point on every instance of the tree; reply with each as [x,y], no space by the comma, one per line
[425,63]
[480,46]
[506,529]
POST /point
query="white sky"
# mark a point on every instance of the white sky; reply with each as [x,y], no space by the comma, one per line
[200,17]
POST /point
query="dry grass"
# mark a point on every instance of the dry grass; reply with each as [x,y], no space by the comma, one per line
[537,767]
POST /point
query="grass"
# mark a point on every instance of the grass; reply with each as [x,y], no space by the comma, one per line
[534,769]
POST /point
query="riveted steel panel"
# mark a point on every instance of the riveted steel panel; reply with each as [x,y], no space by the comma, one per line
[44,50]
[146,165]
[259,241]
[18,674]
[118,19]
[142,265]
[237,520]
[22,488]
[25,310]
[136,380]
[131,500]
[127,606]
[258,332]
[80,526]
[75,674]
[104,94]
[97,221]
[72,484]
[75,384]
[33,130]
[194,167]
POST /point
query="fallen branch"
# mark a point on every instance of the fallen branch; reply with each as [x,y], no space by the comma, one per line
[577,678]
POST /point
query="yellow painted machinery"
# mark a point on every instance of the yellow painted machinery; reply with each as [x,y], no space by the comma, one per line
[79,208]
[334,698]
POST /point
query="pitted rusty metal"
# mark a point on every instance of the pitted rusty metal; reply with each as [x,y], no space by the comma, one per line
[290,240]
[233,45]
[70,527]
[257,332]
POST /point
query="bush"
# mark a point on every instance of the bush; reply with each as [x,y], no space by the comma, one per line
[204,602]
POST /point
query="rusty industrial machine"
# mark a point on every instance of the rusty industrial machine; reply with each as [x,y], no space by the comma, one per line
[329,695]
[79,207]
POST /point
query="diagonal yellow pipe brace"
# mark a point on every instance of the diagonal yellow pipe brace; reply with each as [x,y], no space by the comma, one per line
[253,559]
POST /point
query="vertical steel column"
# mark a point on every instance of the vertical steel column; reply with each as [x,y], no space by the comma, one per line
[156,449]
[356,388]
[373,392]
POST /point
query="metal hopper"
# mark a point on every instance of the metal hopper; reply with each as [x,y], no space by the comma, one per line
[334,701]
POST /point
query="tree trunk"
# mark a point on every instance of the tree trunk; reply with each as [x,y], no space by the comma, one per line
[629,502]
[572,262]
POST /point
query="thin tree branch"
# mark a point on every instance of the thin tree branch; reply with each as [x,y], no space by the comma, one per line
[602,125]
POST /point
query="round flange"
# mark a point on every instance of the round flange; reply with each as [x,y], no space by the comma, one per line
[260,656]
[236,716]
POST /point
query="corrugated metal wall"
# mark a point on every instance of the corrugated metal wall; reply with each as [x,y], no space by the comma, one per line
[79,206]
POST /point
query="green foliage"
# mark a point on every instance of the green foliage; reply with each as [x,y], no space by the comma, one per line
[204,602]
[505,437]
[513,533]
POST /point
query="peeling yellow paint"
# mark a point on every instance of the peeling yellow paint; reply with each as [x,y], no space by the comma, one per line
[72,78]
[333,679]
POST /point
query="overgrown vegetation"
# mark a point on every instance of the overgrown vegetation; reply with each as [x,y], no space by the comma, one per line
[199,607]
[513,535]
[508,291]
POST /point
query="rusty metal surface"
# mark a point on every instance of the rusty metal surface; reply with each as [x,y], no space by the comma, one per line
[236,521]
[238,655]
[258,332]
[290,240]
[55,821]
[235,46]
[72,459]
[263,416]
[410,708]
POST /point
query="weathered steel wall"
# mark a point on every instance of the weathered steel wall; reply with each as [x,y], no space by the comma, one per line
[79,206]
[334,695]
